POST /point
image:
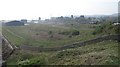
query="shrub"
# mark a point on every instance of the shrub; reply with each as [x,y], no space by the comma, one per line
[34,61]
[98,30]
[50,32]
[107,28]
[70,36]
[70,32]
[75,32]
[37,33]
[117,29]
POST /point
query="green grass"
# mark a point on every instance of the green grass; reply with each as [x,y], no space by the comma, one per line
[38,34]
[95,54]
[13,39]
[101,53]
[90,54]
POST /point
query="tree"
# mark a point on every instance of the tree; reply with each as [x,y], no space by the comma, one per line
[71,16]
[39,18]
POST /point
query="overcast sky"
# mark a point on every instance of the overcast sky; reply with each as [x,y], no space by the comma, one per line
[32,9]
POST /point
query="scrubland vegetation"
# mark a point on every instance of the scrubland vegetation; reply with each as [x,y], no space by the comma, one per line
[55,35]
[95,54]
[47,35]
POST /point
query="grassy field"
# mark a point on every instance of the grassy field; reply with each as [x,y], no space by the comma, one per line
[47,35]
[103,53]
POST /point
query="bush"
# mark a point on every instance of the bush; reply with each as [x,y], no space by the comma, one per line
[75,32]
[107,28]
[70,32]
[98,30]
[37,33]
[70,36]
[117,29]
[50,32]
[34,61]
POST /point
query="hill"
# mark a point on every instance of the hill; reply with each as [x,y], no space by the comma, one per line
[105,52]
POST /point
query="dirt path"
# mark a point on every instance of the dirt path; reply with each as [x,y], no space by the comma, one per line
[74,45]
[10,48]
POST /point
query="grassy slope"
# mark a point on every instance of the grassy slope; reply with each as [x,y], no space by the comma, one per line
[95,54]
[100,53]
